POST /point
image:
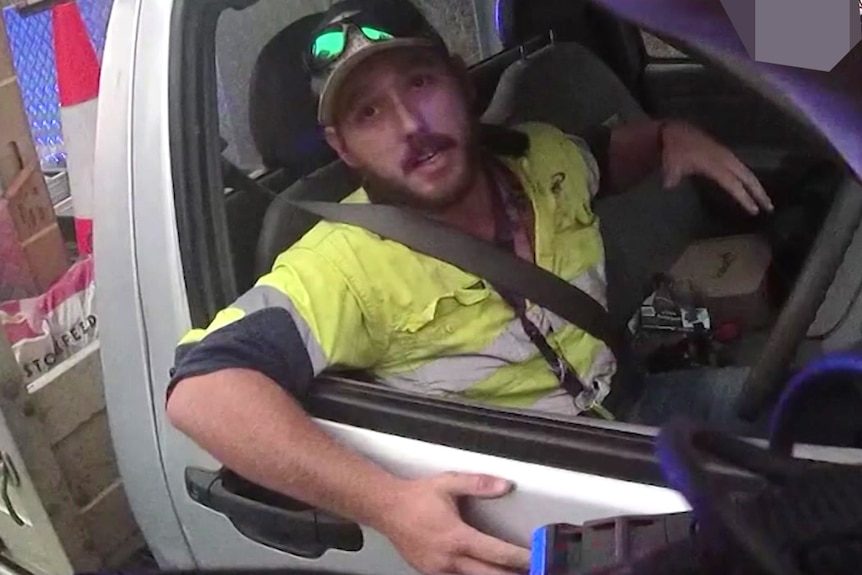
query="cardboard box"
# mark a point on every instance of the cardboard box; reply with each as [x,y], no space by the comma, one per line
[16,145]
[732,275]
[16,278]
[7,69]
[32,250]
[36,225]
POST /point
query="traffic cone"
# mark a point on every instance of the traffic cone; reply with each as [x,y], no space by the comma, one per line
[78,81]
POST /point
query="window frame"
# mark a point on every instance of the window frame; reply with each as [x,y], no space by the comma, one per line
[195,160]
[575,444]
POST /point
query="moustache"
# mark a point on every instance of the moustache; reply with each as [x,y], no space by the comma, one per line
[421,146]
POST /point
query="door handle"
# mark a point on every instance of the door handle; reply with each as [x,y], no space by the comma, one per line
[272,519]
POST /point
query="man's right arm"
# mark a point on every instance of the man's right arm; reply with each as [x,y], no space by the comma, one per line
[236,392]
[249,424]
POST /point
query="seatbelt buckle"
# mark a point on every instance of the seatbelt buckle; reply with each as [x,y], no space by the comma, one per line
[561,370]
[587,398]
[602,412]
[588,401]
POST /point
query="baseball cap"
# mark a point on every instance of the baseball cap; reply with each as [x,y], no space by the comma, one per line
[351,32]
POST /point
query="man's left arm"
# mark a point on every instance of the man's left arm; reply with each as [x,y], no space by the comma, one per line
[627,154]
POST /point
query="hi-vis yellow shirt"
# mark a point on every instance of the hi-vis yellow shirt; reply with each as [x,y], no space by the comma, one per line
[343,298]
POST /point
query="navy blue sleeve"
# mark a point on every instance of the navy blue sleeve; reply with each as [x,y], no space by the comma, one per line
[266,341]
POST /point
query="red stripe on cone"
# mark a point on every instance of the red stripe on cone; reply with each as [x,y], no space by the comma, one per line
[77,64]
[84,235]
[78,81]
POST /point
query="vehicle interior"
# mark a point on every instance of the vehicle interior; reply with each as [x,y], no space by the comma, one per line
[575,66]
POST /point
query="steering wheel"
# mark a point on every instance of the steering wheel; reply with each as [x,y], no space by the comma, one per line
[803,519]
[797,516]
[766,379]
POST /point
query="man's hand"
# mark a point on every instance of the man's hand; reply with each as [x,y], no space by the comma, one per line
[688,151]
[426,527]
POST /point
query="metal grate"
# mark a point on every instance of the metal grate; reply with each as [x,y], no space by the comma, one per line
[33,54]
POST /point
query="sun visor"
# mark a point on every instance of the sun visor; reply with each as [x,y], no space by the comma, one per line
[830,103]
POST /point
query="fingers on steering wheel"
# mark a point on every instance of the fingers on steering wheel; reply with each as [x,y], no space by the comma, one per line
[755,188]
[672,176]
[735,187]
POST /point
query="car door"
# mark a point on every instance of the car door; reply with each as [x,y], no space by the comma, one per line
[166,265]
[564,471]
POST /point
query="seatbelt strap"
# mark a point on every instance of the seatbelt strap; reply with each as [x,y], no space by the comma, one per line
[506,221]
[480,258]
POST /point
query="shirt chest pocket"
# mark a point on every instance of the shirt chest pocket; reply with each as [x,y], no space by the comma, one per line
[573,210]
[449,319]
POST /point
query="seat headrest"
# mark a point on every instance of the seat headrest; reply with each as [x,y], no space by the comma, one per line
[565,85]
[282,109]
[284,224]
[518,21]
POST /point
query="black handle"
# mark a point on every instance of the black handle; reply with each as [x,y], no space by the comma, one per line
[301,531]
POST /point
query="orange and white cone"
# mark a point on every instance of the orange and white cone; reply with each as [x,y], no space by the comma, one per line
[78,81]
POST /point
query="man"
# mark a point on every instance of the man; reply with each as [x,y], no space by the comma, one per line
[397,108]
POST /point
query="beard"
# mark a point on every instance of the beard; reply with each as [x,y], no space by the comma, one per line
[383,190]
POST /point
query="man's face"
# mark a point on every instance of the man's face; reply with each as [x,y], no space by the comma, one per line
[404,122]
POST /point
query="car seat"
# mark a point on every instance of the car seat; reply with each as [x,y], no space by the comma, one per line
[291,146]
[282,109]
[283,121]
[618,44]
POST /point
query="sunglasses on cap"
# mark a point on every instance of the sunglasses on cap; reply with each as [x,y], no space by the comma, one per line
[331,42]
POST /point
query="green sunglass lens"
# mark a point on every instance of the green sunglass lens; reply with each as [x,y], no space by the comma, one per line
[376,35]
[329,45]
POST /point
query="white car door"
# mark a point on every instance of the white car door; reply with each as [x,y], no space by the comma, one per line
[165,229]
[166,263]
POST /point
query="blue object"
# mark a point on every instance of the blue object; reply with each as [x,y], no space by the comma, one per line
[539,552]
[31,41]
[833,365]
[840,369]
